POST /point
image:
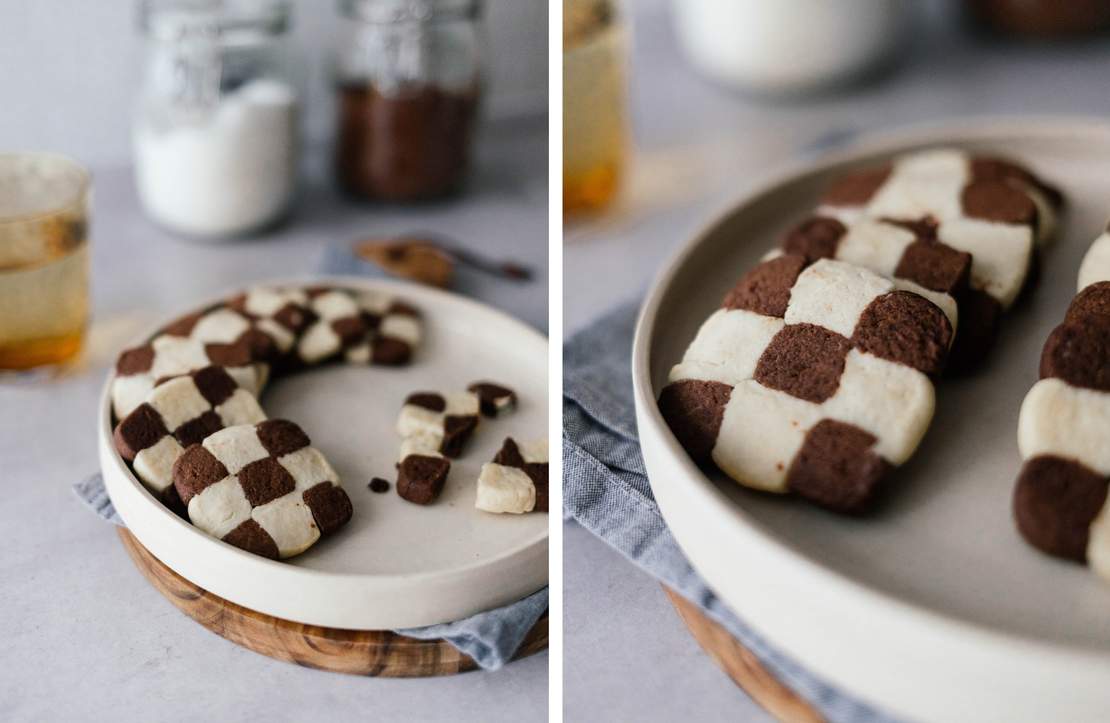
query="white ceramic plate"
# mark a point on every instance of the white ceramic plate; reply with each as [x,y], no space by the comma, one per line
[395,564]
[933,608]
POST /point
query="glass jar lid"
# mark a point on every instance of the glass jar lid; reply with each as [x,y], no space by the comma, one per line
[387,12]
[181,20]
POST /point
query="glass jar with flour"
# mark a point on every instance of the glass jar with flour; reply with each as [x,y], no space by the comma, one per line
[216,133]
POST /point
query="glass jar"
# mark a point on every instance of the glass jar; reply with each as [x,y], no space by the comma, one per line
[408,81]
[216,133]
[594,125]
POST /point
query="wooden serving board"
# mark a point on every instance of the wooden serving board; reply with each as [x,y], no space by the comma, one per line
[377,653]
[742,666]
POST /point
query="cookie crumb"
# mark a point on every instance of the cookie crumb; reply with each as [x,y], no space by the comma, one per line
[379,485]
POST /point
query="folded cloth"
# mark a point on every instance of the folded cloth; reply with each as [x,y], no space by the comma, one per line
[606,490]
[491,638]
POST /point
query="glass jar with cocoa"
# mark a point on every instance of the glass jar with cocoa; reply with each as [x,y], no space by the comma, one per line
[408,79]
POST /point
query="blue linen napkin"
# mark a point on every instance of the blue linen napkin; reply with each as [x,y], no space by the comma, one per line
[491,638]
[606,490]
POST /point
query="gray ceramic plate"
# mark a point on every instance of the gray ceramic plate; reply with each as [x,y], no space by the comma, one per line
[395,564]
[933,607]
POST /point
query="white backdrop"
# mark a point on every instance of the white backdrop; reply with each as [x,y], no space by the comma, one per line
[69,69]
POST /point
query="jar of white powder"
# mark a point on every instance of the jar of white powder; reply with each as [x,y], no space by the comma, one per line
[216,133]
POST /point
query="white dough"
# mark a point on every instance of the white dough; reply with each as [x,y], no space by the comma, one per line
[834,294]
[425,444]
[504,489]
[332,305]
[1096,264]
[761,431]
[1059,419]
[178,401]
[318,342]
[1000,254]
[727,347]
[129,392]
[309,468]
[240,408]
[533,451]
[874,245]
[175,355]
[221,326]
[221,507]
[922,184]
[154,465]
[265,301]
[401,326]
[892,401]
[289,522]
[235,447]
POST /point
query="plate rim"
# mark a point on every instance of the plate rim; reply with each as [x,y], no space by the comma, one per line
[114,469]
[801,570]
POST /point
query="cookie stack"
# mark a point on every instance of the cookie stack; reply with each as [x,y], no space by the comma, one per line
[189,423]
[1064,428]
[816,375]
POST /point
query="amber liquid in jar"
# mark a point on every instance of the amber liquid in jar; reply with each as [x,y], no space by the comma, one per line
[407,145]
[594,125]
[44,272]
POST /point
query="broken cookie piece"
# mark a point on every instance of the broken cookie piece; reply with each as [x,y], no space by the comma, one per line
[450,418]
[516,481]
[422,470]
[493,399]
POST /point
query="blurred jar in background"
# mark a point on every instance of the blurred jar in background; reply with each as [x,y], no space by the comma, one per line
[216,135]
[787,46]
[594,124]
[1043,19]
[408,80]
[44,259]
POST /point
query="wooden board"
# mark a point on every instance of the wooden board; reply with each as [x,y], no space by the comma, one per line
[358,652]
[742,666]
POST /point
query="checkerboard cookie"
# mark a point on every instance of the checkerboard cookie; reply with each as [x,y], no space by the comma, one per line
[516,481]
[170,355]
[449,419]
[177,413]
[1064,427]
[261,488]
[991,209]
[811,378]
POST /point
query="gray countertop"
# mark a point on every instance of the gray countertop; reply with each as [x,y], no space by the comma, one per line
[88,638]
[697,146]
